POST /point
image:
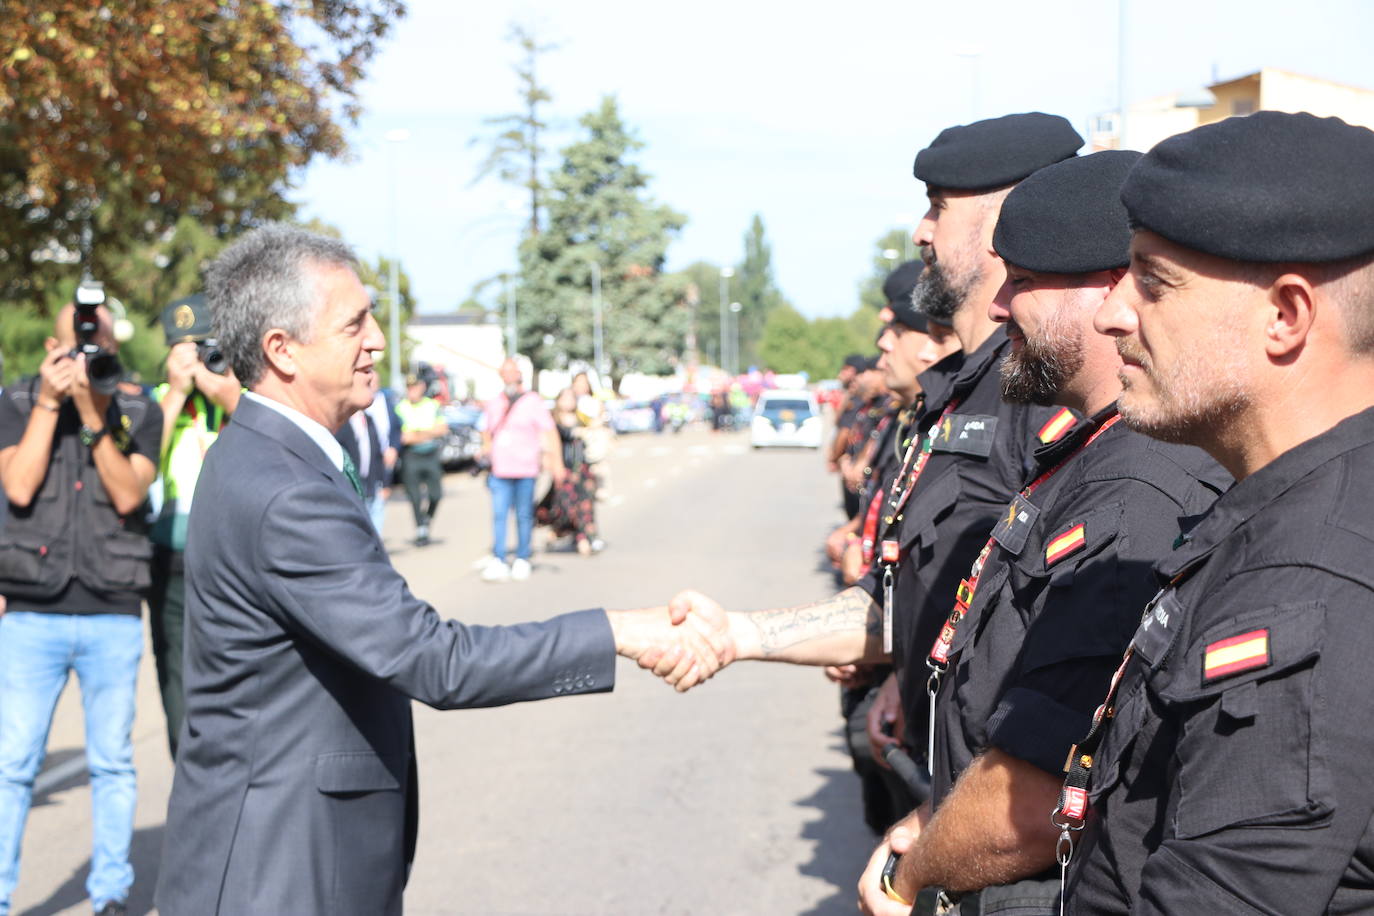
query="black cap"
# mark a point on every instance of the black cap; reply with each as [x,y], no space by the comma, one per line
[898,288]
[187,319]
[1270,187]
[872,362]
[855,361]
[1068,218]
[996,152]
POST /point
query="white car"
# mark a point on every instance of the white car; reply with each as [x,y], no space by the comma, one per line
[788,418]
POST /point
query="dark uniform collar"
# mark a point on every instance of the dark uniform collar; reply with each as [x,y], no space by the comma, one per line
[977,363]
[1244,500]
[936,381]
[1053,452]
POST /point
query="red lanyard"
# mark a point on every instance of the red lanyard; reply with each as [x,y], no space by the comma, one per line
[938,661]
[891,548]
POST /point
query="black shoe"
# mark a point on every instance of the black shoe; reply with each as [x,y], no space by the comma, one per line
[113,908]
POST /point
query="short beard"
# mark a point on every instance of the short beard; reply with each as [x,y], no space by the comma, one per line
[939,294]
[1198,403]
[1038,372]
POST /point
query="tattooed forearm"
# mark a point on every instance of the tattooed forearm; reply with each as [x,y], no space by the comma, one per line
[852,612]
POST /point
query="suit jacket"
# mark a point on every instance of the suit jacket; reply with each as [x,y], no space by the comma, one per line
[295,785]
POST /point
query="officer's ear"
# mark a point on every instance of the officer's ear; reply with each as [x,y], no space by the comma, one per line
[1292,312]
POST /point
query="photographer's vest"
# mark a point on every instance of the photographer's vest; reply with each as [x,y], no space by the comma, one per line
[70,529]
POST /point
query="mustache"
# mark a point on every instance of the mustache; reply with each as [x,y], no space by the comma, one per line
[1128,351]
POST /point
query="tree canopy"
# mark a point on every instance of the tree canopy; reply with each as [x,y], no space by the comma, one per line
[599,211]
[118,119]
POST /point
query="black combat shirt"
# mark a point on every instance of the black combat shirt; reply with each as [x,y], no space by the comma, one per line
[982,454]
[1248,789]
[1055,605]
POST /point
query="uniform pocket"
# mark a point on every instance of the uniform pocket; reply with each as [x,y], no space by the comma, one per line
[1244,692]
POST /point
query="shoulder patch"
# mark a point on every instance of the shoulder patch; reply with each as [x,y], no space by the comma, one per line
[1236,654]
[1059,424]
[1066,544]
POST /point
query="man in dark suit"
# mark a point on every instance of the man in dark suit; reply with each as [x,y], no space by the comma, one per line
[295,787]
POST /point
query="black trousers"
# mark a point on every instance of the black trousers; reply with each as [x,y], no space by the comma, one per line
[166,619]
[423,478]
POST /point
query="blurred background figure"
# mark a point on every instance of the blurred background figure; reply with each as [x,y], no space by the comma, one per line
[570,506]
[197,399]
[518,437]
[367,445]
[597,435]
[422,434]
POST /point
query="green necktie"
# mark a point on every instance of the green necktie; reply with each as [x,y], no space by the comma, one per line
[351,473]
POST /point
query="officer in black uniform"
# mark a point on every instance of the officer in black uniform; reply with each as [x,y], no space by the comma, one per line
[1229,771]
[910,344]
[974,450]
[977,448]
[1040,620]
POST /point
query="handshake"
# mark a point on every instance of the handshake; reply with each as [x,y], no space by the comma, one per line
[685,643]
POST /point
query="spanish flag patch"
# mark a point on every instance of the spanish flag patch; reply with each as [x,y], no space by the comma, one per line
[1067,543]
[1239,653]
[1058,425]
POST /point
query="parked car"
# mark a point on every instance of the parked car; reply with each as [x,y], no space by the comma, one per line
[786,418]
[632,417]
[463,442]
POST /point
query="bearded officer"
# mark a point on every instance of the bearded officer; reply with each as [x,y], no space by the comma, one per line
[1040,620]
[1229,771]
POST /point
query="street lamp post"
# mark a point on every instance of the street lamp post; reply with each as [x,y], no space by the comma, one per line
[725,274]
[393,138]
[598,348]
[734,338]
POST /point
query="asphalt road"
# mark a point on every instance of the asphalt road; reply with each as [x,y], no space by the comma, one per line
[735,798]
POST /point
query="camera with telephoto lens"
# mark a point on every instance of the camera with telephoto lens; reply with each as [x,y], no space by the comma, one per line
[102,366]
[213,358]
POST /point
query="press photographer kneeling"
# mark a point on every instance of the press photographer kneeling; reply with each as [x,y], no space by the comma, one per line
[76,459]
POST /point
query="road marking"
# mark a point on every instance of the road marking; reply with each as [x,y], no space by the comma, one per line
[658,451]
[734,449]
[699,450]
[622,452]
[651,482]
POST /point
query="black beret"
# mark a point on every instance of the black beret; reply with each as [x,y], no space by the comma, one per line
[856,361]
[1269,187]
[898,288]
[996,152]
[1068,218]
[187,319]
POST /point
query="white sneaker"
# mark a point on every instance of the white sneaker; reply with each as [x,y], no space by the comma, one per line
[520,570]
[496,571]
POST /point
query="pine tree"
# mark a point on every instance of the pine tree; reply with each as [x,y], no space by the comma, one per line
[518,146]
[755,290]
[599,212]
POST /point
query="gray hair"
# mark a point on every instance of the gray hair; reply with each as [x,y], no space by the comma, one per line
[267,280]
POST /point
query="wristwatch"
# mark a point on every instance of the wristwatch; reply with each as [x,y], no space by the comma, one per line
[89,437]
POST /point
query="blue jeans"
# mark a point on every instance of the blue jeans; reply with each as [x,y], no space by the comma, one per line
[36,653]
[505,493]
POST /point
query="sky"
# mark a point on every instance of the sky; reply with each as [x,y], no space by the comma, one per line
[808,116]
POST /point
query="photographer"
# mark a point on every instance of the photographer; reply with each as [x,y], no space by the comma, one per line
[75,463]
[199,395]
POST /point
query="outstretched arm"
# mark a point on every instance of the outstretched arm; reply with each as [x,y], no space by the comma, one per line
[841,630]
